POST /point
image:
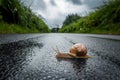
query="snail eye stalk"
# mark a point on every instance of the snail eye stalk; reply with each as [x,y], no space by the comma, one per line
[56,50]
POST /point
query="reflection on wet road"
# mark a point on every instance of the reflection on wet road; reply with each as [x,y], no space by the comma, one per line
[33,58]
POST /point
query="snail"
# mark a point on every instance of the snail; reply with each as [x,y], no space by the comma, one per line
[78,50]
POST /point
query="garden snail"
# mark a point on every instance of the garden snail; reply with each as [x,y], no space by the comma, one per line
[78,50]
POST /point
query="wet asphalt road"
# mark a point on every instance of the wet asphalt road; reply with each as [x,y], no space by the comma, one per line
[31,57]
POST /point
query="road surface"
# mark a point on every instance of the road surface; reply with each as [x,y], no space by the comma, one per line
[31,57]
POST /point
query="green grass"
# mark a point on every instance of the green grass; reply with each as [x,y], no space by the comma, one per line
[14,28]
[105,20]
[17,18]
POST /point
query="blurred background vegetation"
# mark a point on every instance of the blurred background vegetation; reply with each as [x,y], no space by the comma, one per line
[105,20]
[16,18]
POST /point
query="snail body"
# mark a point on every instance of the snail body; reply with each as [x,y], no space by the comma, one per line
[76,51]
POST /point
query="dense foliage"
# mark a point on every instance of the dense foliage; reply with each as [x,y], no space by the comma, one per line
[54,30]
[14,12]
[70,18]
[104,20]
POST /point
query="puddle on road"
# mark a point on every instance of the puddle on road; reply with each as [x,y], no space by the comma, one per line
[14,56]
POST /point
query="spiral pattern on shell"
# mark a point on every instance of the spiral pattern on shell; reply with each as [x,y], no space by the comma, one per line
[78,49]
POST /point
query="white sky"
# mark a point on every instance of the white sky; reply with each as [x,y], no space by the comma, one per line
[55,11]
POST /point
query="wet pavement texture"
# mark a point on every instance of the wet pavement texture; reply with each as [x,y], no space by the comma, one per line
[31,57]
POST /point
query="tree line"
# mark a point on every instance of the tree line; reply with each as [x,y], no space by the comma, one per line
[14,12]
[104,20]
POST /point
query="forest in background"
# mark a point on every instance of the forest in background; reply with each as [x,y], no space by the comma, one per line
[104,20]
[17,18]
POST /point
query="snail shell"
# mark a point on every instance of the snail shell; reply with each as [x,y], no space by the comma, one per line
[78,49]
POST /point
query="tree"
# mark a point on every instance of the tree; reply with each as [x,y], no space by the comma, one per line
[9,10]
[70,18]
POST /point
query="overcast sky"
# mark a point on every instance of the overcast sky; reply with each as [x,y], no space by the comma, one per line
[55,11]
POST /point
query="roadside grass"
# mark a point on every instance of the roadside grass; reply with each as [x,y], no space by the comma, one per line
[15,17]
[14,28]
[104,20]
